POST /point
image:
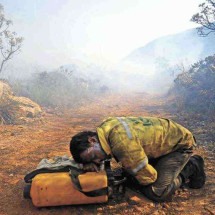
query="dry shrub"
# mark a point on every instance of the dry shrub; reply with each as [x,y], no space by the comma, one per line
[195,88]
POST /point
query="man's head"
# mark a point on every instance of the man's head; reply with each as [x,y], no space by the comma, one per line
[85,148]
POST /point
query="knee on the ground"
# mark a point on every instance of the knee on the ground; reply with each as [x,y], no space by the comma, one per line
[158,194]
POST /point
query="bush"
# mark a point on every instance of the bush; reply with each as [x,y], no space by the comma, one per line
[55,89]
[195,89]
[48,89]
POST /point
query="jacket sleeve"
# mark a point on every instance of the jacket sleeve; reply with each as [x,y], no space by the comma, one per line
[130,153]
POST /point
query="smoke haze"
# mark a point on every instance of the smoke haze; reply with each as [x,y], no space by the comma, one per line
[92,37]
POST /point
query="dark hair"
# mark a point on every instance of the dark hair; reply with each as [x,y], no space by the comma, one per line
[79,143]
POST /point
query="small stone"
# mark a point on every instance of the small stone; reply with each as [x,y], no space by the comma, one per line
[180,209]
[165,205]
[151,204]
[11,175]
[185,189]
[138,209]
[183,203]
[99,209]
[135,199]
[125,204]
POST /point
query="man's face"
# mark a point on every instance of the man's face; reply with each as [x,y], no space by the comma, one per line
[94,154]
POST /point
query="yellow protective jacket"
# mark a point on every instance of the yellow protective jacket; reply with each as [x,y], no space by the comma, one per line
[134,140]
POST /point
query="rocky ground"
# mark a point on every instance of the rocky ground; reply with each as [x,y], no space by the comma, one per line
[23,146]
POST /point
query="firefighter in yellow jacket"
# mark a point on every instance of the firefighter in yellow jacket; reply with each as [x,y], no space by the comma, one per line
[156,153]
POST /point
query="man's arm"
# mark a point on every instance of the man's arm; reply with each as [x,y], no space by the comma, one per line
[130,153]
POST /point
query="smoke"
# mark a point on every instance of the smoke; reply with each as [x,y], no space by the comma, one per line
[88,39]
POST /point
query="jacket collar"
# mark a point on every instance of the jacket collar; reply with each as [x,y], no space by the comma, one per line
[104,144]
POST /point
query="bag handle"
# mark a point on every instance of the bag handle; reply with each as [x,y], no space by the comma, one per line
[76,182]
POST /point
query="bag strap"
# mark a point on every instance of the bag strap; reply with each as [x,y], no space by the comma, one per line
[109,172]
[28,178]
[74,176]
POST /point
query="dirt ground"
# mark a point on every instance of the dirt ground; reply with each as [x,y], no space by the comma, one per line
[23,146]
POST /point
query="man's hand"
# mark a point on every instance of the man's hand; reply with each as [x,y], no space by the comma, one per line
[91,167]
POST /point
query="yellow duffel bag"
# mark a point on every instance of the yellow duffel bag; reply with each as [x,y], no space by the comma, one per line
[69,185]
[53,189]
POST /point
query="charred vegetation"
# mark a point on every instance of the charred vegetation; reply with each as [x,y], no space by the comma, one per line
[194,89]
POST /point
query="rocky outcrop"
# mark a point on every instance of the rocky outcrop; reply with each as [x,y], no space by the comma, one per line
[15,110]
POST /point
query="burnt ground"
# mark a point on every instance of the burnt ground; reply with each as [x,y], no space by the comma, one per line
[23,146]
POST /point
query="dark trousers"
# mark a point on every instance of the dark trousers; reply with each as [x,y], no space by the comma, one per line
[169,178]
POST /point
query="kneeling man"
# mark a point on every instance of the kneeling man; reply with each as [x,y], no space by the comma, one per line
[156,153]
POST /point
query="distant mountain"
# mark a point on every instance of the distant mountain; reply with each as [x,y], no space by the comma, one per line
[159,62]
[175,48]
[151,68]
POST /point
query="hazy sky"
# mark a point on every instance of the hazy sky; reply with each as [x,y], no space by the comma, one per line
[58,31]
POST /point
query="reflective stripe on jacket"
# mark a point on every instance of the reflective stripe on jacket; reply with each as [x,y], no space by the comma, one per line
[134,140]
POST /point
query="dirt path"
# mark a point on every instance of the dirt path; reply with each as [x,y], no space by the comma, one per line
[23,146]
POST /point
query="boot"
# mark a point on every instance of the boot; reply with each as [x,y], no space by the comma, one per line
[197,180]
[194,171]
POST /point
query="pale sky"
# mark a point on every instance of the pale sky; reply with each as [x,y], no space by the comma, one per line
[58,31]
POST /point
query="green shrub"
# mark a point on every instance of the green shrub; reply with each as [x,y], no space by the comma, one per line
[195,88]
[54,89]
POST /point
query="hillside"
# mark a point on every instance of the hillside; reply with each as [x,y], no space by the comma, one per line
[186,45]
